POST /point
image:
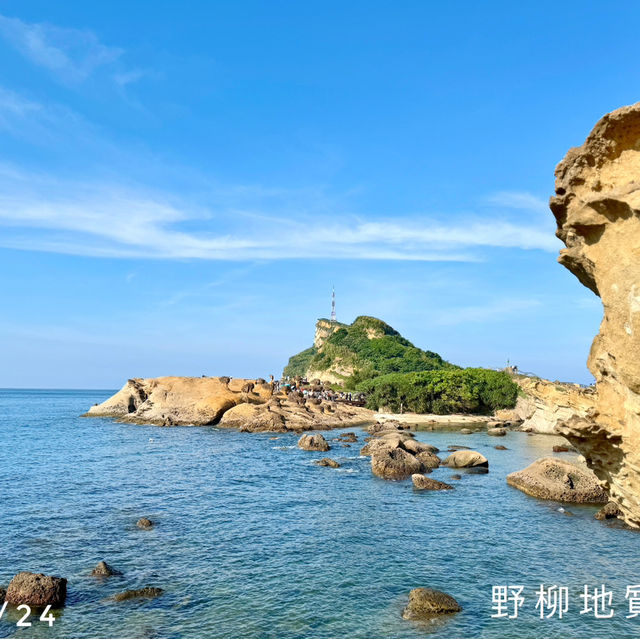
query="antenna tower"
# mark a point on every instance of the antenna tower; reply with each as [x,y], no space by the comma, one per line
[333,304]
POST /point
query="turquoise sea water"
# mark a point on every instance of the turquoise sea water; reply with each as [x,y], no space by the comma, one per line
[254,541]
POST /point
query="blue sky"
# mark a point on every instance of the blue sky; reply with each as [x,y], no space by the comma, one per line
[182,184]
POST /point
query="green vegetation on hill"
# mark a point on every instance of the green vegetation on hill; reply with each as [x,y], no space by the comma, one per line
[443,392]
[368,348]
[299,364]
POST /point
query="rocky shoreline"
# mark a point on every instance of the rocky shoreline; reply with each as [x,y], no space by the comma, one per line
[246,404]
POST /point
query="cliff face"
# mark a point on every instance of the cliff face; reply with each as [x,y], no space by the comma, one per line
[324,330]
[597,207]
[546,405]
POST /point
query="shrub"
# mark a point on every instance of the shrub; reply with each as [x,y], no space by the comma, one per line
[443,392]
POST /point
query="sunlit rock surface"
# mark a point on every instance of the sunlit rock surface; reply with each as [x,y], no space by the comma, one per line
[596,206]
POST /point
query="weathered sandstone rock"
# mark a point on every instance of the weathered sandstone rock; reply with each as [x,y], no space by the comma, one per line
[466,459]
[609,511]
[248,405]
[426,483]
[496,432]
[597,206]
[36,590]
[179,400]
[313,442]
[415,447]
[397,455]
[143,522]
[428,460]
[425,603]
[558,480]
[546,404]
[394,463]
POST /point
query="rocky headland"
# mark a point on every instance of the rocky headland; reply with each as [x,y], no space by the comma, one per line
[249,405]
[597,206]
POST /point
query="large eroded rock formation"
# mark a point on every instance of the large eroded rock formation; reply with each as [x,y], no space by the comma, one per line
[231,403]
[545,405]
[597,208]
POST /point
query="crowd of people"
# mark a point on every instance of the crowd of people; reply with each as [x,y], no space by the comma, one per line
[316,390]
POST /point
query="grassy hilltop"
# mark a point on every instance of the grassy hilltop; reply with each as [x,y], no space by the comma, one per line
[352,353]
[371,356]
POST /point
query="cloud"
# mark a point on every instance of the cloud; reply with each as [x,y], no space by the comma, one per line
[72,55]
[492,311]
[519,200]
[112,220]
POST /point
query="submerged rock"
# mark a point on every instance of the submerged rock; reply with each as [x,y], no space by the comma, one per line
[36,590]
[327,461]
[560,449]
[465,431]
[425,603]
[103,569]
[313,442]
[558,480]
[466,459]
[455,477]
[348,437]
[143,522]
[426,483]
[148,592]
[500,447]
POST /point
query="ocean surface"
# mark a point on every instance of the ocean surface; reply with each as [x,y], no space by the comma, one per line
[253,541]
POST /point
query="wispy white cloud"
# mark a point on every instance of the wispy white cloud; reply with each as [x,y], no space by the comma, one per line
[110,220]
[72,55]
[502,309]
[519,200]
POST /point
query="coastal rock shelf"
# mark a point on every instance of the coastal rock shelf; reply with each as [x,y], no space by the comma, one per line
[597,206]
[250,405]
[544,405]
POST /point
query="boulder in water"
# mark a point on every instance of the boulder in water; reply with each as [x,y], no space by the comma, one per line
[36,590]
[425,603]
[394,463]
[558,480]
[103,569]
[327,461]
[466,459]
[313,442]
[426,483]
[608,511]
